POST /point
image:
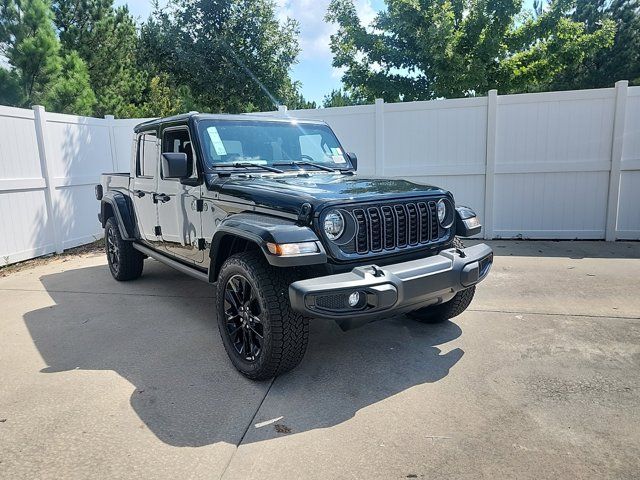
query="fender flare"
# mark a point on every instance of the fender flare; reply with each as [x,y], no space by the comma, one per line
[122,210]
[263,229]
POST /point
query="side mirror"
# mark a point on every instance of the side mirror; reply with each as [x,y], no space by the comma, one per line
[353,159]
[175,165]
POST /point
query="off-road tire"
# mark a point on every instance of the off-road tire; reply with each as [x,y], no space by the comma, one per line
[285,332]
[448,310]
[128,262]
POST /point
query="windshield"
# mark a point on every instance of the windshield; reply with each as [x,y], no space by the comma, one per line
[269,143]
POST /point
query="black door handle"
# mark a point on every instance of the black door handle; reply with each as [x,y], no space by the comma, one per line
[161,197]
[138,193]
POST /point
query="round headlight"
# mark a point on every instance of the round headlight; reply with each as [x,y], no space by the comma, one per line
[333,225]
[445,213]
[442,211]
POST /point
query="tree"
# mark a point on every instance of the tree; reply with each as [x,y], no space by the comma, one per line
[233,55]
[340,98]
[106,39]
[622,60]
[426,49]
[160,99]
[71,91]
[28,41]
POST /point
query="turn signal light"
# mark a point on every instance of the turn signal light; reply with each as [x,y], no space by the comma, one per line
[288,249]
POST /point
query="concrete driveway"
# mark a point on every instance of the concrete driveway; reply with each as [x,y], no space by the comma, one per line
[539,379]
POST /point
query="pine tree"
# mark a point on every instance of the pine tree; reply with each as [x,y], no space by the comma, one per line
[31,48]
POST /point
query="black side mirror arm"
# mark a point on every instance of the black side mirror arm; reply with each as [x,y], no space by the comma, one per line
[353,159]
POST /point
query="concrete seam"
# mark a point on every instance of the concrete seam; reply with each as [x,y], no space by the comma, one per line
[244,434]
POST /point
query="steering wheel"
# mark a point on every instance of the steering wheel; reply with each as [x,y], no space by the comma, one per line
[307,157]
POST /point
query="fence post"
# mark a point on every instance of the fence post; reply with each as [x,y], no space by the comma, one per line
[619,117]
[379,119]
[41,136]
[490,166]
[112,142]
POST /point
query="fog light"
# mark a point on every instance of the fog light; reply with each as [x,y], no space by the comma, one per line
[354,299]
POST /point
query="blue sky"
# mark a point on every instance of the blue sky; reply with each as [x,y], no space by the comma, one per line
[314,69]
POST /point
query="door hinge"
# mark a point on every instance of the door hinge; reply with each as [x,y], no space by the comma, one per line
[158,231]
[202,244]
[199,205]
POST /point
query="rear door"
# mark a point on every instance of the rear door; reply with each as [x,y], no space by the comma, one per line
[179,213]
[144,184]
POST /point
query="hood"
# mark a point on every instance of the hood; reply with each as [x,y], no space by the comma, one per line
[288,192]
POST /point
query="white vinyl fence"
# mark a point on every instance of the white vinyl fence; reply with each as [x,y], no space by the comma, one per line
[558,165]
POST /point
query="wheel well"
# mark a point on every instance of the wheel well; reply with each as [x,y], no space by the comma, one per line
[107,212]
[228,245]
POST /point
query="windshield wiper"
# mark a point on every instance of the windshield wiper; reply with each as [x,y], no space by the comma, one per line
[249,165]
[299,163]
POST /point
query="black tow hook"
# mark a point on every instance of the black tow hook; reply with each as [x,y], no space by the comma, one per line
[377,272]
[461,253]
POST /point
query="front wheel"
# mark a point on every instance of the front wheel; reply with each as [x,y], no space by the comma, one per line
[261,334]
[448,310]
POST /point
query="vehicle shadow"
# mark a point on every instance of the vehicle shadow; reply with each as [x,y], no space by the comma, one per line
[160,334]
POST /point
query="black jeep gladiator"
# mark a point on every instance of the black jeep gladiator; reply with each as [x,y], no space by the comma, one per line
[272,211]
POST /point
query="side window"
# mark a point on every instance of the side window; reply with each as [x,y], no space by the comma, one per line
[179,141]
[147,155]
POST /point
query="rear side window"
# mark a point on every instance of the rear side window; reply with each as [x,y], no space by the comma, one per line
[147,155]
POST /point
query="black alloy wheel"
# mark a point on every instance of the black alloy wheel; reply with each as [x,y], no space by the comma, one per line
[113,250]
[242,316]
[125,262]
[260,332]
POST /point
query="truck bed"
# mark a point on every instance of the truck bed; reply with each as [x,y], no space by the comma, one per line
[111,181]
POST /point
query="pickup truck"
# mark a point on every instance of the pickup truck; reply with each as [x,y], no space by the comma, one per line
[272,212]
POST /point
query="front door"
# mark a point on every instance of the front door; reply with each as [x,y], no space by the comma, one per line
[178,212]
[145,177]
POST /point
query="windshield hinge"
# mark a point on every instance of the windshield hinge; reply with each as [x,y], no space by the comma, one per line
[199,205]
[304,217]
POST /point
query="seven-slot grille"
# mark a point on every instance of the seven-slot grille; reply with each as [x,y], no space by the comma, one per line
[387,227]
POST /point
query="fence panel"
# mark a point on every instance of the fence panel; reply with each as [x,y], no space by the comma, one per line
[547,165]
[80,150]
[441,143]
[26,227]
[553,155]
[628,224]
[122,134]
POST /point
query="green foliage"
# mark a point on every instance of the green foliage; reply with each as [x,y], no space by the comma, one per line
[424,49]
[161,100]
[340,98]
[71,91]
[106,39]
[31,47]
[233,55]
[622,59]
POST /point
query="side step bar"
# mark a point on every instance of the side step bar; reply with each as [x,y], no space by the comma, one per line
[194,272]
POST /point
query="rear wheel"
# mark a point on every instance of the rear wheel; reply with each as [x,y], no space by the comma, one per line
[447,310]
[261,334]
[125,262]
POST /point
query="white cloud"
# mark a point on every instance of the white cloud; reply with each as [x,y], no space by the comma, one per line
[315,32]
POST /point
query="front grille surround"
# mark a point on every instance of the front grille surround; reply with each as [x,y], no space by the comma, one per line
[390,227]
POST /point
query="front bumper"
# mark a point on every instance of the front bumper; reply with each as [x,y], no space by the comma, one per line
[398,288]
